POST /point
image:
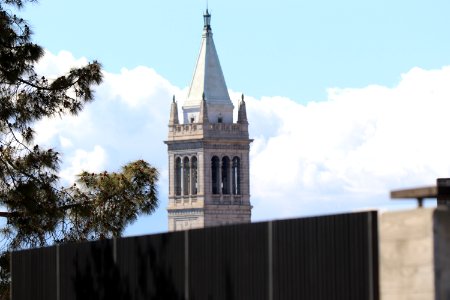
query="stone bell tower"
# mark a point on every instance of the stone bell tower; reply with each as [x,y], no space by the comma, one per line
[208,152]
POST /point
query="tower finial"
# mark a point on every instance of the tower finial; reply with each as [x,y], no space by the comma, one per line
[173,99]
[207,20]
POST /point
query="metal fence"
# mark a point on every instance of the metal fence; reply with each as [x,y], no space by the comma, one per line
[328,257]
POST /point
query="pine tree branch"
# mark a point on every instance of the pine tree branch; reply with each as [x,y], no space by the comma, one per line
[39,87]
[46,88]
[7,214]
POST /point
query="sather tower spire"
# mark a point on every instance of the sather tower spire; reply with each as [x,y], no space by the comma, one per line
[208,153]
[208,80]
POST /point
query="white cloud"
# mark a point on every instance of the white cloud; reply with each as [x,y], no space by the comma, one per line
[341,154]
[352,149]
[136,87]
[52,65]
[65,142]
[82,160]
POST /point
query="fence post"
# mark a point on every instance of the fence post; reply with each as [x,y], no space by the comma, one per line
[186,265]
[58,282]
[114,250]
[370,249]
[11,275]
[270,259]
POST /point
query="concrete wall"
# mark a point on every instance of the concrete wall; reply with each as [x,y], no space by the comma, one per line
[415,254]
[406,255]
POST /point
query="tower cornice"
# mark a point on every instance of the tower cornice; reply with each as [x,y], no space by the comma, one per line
[210,130]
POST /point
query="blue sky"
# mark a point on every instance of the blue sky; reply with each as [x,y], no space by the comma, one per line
[346,99]
[288,47]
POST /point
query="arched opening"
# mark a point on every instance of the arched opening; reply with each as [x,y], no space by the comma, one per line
[194,175]
[225,175]
[186,176]
[178,176]
[236,177]
[215,175]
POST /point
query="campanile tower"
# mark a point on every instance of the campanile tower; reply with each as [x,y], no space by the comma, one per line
[208,151]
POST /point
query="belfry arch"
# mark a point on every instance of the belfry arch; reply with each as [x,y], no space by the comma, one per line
[215,175]
[194,175]
[225,175]
[178,175]
[236,176]
[186,176]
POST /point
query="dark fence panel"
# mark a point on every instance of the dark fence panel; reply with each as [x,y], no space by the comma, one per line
[34,274]
[87,271]
[229,262]
[152,267]
[329,257]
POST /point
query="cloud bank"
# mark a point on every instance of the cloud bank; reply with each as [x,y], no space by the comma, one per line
[350,150]
[343,153]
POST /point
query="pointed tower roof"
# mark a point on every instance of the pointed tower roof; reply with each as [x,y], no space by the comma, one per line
[208,78]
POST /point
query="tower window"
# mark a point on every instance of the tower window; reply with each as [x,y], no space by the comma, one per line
[186,176]
[194,180]
[192,119]
[178,176]
[219,120]
[215,174]
[225,175]
[236,177]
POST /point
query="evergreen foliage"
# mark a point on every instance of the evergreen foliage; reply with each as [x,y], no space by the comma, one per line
[38,210]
